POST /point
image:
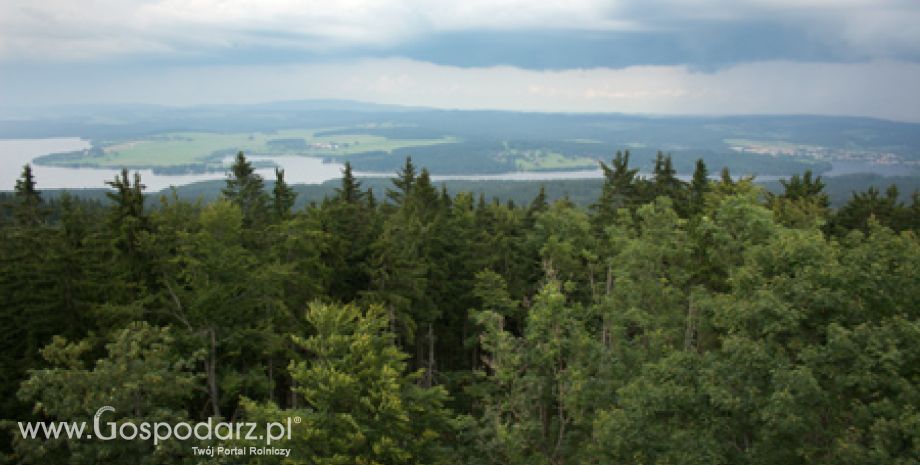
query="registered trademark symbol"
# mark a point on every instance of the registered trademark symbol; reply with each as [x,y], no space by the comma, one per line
[297,420]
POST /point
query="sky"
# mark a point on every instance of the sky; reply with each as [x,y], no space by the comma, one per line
[689,57]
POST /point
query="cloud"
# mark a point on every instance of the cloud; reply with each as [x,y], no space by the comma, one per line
[871,27]
[692,30]
[63,29]
[856,57]
[885,89]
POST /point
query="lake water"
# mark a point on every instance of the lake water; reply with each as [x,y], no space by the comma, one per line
[843,167]
[14,153]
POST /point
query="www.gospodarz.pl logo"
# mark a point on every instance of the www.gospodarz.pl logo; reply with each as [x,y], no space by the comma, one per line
[158,432]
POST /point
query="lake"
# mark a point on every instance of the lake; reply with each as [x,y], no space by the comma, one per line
[14,153]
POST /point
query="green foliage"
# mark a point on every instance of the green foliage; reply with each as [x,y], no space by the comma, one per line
[534,407]
[620,189]
[793,377]
[866,207]
[245,190]
[647,302]
[568,249]
[141,376]
[127,222]
[360,406]
[226,302]
[699,186]
[28,209]
[283,197]
[351,222]
[803,204]
[702,322]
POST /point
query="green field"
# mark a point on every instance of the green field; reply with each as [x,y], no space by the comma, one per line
[774,147]
[536,160]
[585,141]
[182,148]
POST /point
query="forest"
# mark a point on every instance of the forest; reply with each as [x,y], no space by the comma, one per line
[668,322]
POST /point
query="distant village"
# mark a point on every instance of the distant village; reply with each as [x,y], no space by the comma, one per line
[815,152]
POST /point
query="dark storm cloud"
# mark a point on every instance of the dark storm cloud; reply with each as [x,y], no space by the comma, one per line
[856,57]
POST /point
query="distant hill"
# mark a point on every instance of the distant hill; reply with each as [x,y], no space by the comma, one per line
[488,142]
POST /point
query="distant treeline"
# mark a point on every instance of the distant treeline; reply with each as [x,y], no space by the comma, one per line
[839,189]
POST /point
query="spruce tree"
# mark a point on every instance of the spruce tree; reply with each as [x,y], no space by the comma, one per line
[245,189]
[350,219]
[283,197]
[350,189]
[371,199]
[128,221]
[699,186]
[423,198]
[404,182]
[28,208]
[620,189]
[870,206]
[804,187]
[665,183]
[802,203]
[539,203]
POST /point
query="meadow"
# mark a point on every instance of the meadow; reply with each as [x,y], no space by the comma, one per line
[181,148]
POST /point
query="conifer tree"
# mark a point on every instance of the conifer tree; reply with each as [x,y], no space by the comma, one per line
[128,221]
[371,199]
[665,183]
[802,203]
[28,307]
[245,189]
[141,374]
[362,406]
[226,302]
[423,198]
[699,186]
[737,333]
[865,207]
[539,203]
[404,182]
[726,178]
[446,200]
[29,210]
[804,187]
[283,197]
[351,222]
[350,189]
[620,189]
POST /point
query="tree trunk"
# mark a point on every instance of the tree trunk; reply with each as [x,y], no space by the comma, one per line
[430,372]
[212,374]
[690,333]
[605,331]
[609,280]
[592,283]
[271,379]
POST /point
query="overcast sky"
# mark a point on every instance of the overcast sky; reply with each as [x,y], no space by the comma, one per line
[837,57]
